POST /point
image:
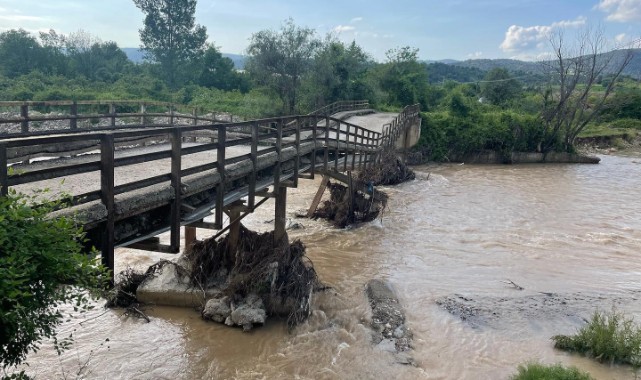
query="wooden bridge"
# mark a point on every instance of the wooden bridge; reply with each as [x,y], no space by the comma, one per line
[134,170]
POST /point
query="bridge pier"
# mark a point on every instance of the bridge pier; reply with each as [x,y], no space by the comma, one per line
[280,215]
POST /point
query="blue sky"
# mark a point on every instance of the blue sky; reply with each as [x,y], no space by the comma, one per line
[457,29]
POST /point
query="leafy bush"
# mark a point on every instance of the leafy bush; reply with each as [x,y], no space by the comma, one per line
[611,338]
[42,266]
[535,371]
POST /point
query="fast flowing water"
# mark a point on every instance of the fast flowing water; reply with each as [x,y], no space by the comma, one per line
[457,229]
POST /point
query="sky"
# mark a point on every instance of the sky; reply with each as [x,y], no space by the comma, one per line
[440,29]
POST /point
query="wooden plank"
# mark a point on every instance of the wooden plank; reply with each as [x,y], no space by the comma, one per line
[318,196]
[107,195]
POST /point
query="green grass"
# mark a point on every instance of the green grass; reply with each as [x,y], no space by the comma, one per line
[608,131]
[608,337]
[536,371]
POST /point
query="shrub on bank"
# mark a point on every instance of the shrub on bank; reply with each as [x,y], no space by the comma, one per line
[42,266]
[536,371]
[608,337]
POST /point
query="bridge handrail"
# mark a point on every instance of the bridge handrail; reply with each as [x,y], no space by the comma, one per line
[193,114]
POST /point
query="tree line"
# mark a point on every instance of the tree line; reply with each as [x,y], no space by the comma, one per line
[293,70]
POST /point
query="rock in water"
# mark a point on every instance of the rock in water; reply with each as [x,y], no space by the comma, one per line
[388,321]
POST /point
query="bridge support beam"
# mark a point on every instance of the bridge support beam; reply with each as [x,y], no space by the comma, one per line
[190,238]
[280,215]
[234,225]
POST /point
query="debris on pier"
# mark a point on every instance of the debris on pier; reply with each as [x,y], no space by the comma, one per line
[389,171]
[343,208]
[260,274]
[237,287]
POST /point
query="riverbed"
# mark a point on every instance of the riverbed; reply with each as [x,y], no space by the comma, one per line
[457,231]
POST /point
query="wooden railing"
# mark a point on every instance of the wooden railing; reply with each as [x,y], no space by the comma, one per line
[326,143]
[31,118]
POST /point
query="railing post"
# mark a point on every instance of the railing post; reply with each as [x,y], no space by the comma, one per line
[112,114]
[73,121]
[176,166]
[346,147]
[338,139]
[24,113]
[314,137]
[220,189]
[143,111]
[171,115]
[326,158]
[279,144]
[355,148]
[251,196]
[4,175]
[107,197]
[297,159]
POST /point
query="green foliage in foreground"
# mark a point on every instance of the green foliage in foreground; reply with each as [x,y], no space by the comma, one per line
[535,371]
[608,337]
[42,266]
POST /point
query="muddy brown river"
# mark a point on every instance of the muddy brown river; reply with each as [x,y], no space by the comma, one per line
[569,234]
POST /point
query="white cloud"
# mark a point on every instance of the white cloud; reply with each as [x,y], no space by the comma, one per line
[519,38]
[356,19]
[620,38]
[476,54]
[621,10]
[343,28]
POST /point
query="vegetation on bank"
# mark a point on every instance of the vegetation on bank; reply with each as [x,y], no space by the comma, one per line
[43,265]
[536,371]
[608,337]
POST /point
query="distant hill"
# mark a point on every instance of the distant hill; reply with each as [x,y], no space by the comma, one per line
[136,55]
[524,67]
[438,72]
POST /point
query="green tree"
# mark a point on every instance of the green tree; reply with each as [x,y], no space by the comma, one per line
[42,266]
[170,35]
[403,77]
[20,53]
[339,73]
[499,87]
[218,72]
[280,60]
[94,59]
